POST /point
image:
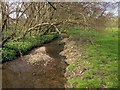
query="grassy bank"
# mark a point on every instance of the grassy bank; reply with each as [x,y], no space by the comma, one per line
[99,56]
[13,49]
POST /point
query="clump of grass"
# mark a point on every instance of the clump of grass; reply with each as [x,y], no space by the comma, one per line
[71,67]
[60,43]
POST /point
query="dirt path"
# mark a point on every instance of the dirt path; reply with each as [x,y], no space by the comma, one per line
[43,67]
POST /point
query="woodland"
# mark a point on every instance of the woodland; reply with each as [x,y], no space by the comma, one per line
[59,45]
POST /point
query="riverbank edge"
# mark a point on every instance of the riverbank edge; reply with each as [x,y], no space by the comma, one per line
[37,42]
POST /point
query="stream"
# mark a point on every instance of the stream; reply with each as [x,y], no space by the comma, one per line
[20,74]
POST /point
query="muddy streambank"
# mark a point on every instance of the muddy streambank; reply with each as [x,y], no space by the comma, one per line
[43,67]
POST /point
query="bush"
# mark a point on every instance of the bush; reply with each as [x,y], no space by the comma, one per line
[8,54]
[37,41]
[13,49]
[47,38]
[33,40]
[19,47]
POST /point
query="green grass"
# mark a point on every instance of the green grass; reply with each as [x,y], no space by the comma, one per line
[60,43]
[13,49]
[71,67]
[100,59]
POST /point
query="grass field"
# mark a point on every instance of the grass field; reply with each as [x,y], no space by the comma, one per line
[99,58]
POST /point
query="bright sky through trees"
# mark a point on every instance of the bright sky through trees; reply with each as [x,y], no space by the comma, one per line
[114,11]
[61,0]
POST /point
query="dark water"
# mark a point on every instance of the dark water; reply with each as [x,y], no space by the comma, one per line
[19,74]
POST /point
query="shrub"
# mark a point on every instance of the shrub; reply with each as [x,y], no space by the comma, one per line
[8,54]
[19,47]
[33,40]
[13,49]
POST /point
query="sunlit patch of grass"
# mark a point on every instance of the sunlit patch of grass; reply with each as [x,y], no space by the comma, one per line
[71,67]
[100,59]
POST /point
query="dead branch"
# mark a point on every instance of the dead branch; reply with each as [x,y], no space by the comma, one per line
[57,29]
[52,5]
[8,38]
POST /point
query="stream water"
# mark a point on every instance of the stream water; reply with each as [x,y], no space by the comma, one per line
[19,74]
